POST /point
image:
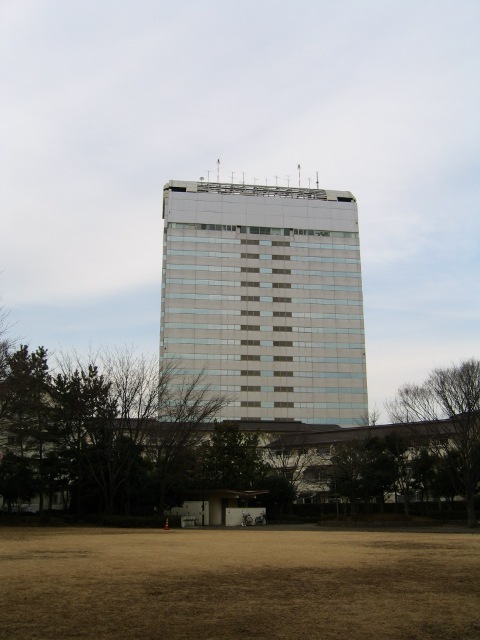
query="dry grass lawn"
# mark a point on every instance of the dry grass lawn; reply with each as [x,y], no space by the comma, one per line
[105,584]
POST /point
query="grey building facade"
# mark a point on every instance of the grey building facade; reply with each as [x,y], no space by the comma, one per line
[262,287]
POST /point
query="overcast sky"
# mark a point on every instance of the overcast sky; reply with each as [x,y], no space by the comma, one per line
[103,101]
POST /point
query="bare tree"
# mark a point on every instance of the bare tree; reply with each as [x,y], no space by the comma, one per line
[290,457]
[155,412]
[369,418]
[6,345]
[5,325]
[451,394]
[137,384]
[402,450]
[185,404]
[129,384]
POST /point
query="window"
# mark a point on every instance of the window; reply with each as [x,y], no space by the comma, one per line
[267,231]
[215,227]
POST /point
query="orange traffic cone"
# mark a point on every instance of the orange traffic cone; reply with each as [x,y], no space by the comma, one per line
[167,528]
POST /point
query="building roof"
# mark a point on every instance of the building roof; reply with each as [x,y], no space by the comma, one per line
[410,431]
[294,433]
[283,426]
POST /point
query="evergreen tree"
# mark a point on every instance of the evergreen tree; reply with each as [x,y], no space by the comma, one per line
[233,459]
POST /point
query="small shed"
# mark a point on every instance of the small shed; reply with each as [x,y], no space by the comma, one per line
[214,503]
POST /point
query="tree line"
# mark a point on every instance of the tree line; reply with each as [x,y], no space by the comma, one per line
[119,434]
[369,470]
[444,462]
[109,434]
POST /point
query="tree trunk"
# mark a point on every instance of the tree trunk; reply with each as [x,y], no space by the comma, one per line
[41,483]
[353,505]
[127,508]
[161,495]
[470,504]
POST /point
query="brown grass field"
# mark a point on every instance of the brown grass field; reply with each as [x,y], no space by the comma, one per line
[104,584]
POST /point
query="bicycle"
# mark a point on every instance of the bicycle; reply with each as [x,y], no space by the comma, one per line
[247,520]
[261,519]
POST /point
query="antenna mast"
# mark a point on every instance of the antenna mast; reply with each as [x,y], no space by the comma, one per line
[218,170]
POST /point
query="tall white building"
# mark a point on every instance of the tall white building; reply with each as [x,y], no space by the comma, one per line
[262,287]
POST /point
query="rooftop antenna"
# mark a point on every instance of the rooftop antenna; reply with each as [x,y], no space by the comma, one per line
[232,176]
[208,176]
[276,180]
[298,168]
[243,177]
[317,179]
[218,170]
[309,183]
